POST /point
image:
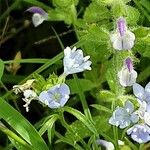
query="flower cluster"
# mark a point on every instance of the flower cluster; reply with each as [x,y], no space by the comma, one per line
[123,39]
[140,119]
[56,95]
[126,116]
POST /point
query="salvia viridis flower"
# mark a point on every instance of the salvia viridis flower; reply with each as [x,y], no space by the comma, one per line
[124,116]
[56,96]
[39,15]
[139,133]
[29,95]
[74,61]
[123,38]
[127,75]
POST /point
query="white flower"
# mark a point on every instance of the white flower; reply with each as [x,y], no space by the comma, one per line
[127,76]
[74,61]
[29,95]
[122,39]
[39,15]
[20,88]
[107,145]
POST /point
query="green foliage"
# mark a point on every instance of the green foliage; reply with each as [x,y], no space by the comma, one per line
[1,68]
[96,13]
[92,22]
[74,88]
[21,126]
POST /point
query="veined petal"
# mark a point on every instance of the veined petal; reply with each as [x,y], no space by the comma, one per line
[138,91]
[54,104]
[127,43]
[127,78]
[44,98]
[129,106]
[117,44]
[139,133]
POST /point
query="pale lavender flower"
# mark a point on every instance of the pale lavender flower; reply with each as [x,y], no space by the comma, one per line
[139,133]
[107,145]
[56,96]
[122,39]
[74,61]
[143,98]
[141,93]
[29,95]
[39,15]
[127,75]
[123,117]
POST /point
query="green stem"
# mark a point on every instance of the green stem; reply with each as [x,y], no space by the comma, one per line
[33,60]
[83,99]
[14,136]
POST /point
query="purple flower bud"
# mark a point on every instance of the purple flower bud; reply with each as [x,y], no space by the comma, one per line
[37,10]
[129,64]
[121,26]
[122,39]
[39,15]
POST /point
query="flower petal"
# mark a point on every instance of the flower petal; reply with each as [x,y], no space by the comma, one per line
[138,91]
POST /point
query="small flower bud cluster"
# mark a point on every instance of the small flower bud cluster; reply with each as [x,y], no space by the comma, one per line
[58,94]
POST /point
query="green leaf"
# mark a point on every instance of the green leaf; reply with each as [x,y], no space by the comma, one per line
[82,118]
[74,88]
[106,96]
[96,12]
[48,124]
[132,15]
[21,126]
[81,130]
[102,108]
[146,4]
[1,68]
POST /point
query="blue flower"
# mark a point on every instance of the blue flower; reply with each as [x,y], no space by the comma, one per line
[123,117]
[122,39]
[74,61]
[56,96]
[143,98]
[141,93]
[39,15]
[139,133]
[127,76]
